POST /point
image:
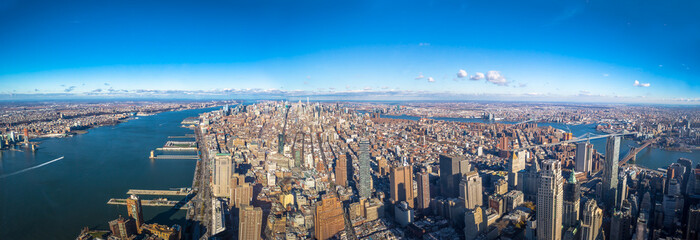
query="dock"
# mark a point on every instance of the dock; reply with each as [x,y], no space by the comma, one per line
[152,203]
[177,149]
[175,157]
[186,136]
[181,192]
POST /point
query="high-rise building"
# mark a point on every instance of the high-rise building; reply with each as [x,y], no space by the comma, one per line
[513,199]
[280,143]
[222,175]
[401,179]
[621,225]
[471,190]
[504,144]
[241,194]
[517,163]
[328,218]
[693,231]
[133,207]
[591,220]
[249,222]
[341,170]
[621,189]
[528,181]
[403,214]
[572,200]
[474,223]
[584,157]
[550,201]
[364,188]
[609,191]
[451,170]
[123,228]
[423,198]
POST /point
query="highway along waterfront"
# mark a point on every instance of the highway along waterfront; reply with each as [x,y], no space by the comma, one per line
[56,200]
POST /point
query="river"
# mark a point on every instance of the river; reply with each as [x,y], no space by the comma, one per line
[44,196]
[652,158]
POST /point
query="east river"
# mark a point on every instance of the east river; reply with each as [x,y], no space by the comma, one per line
[652,158]
[62,195]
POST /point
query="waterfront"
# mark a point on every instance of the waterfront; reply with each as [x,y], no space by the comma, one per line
[56,200]
[652,158]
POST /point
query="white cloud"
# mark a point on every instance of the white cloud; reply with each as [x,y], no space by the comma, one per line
[367,88]
[606,75]
[495,77]
[477,76]
[430,79]
[462,73]
[638,84]
[420,76]
[424,44]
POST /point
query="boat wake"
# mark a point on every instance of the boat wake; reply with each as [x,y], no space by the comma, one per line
[30,168]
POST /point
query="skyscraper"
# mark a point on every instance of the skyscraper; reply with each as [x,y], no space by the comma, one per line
[471,190]
[341,170]
[423,201]
[249,222]
[280,142]
[528,181]
[474,223]
[516,164]
[693,231]
[572,200]
[584,157]
[222,175]
[591,220]
[550,200]
[133,207]
[621,225]
[364,188]
[401,179]
[612,152]
[328,218]
[451,168]
[241,195]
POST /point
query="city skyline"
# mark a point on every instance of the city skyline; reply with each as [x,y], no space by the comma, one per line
[504,50]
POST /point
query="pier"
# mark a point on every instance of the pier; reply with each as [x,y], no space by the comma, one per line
[186,136]
[175,157]
[177,149]
[154,156]
[152,203]
[181,192]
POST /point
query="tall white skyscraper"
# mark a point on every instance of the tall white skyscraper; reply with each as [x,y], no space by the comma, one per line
[584,157]
[471,190]
[550,200]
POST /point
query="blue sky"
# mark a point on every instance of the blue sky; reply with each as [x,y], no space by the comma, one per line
[537,50]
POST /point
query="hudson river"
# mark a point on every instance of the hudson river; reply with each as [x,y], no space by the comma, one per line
[45,197]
